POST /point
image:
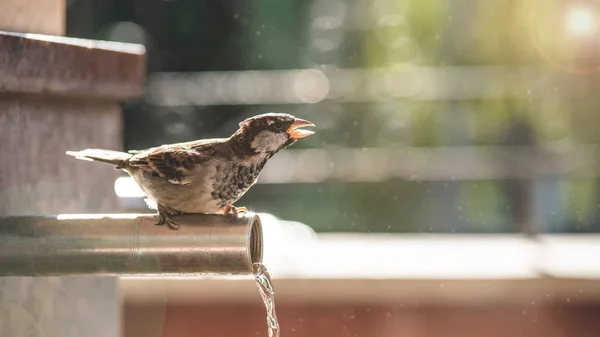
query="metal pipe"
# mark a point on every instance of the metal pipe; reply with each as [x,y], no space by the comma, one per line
[129,244]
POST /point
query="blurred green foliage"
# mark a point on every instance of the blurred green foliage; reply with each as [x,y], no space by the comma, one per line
[188,35]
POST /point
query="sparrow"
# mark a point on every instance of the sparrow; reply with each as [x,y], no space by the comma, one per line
[207,175]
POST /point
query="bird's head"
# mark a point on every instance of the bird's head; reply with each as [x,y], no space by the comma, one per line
[272,132]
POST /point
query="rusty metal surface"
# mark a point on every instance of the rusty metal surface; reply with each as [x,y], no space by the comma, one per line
[129,244]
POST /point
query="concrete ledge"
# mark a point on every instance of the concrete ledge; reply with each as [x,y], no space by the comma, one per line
[59,94]
[39,16]
[33,63]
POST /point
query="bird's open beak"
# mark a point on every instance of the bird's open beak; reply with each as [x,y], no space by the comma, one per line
[296,133]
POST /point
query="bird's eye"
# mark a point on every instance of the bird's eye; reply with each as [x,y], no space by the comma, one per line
[278,125]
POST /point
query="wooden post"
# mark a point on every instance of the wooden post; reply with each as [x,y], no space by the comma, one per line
[58,94]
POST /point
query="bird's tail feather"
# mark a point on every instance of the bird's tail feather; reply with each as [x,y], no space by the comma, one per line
[106,156]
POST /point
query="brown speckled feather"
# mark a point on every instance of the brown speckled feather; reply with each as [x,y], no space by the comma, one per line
[204,176]
[176,162]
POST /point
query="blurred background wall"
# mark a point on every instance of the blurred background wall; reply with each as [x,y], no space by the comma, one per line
[432,116]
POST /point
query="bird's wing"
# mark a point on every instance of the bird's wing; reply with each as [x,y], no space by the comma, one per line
[176,162]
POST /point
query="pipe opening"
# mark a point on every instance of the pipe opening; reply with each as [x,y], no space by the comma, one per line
[256,240]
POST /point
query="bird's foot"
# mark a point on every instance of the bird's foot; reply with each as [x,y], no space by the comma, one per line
[164,218]
[233,211]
